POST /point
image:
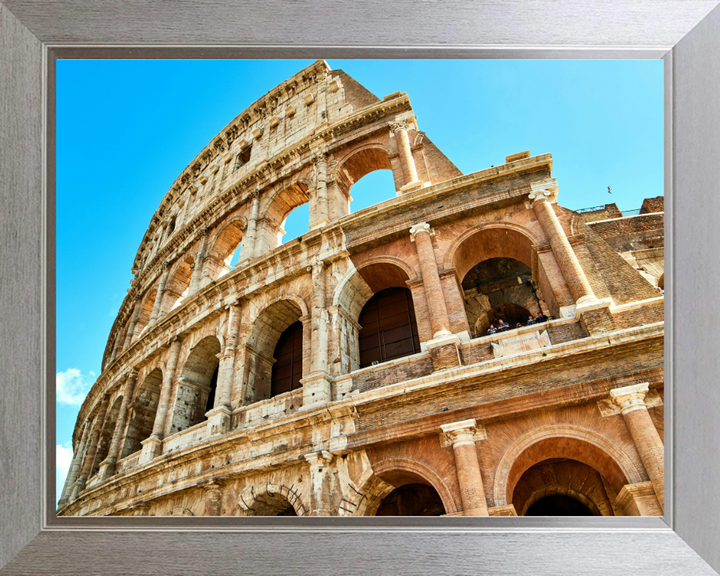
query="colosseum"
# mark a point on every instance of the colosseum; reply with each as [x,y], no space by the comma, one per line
[466,348]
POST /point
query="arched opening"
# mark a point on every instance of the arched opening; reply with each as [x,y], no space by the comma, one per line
[196,385]
[579,464]
[412,495]
[296,223]
[142,417]
[106,435]
[372,189]
[562,487]
[499,289]
[279,321]
[272,505]
[412,500]
[499,278]
[352,296]
[225,252]
[177,286]
[389,329]
[287,370]
[145,313]
[271,230]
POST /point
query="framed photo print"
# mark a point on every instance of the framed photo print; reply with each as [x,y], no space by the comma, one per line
[323,308]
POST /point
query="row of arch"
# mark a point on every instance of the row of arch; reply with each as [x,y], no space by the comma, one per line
[383,325]
[568,471]
[223,246]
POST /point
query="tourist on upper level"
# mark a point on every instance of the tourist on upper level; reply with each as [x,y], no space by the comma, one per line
[540,318]
[530,320]
[502,325]
[492,329]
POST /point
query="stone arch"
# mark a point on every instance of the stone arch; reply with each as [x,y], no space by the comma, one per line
[269,499]
[388,260]
[563,441]
[275,211]
[395,471]
[196,385]
[225,243]
[178,283]
[265,330]
[365,158]
[563,478]
[354,291]
[498,276]
[142,412]
[146,309]
[486,240]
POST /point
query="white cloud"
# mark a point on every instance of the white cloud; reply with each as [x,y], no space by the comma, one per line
[63,459]
[72,386]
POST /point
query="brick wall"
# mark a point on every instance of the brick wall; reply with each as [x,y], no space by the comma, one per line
[644,315]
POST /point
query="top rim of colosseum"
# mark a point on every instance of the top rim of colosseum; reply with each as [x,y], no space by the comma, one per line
[319,66]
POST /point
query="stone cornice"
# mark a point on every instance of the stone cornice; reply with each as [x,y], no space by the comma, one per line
[443,189]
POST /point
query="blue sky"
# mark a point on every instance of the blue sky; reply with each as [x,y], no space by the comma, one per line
[126,129]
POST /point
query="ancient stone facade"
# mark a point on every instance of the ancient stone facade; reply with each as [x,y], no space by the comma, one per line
[350,372]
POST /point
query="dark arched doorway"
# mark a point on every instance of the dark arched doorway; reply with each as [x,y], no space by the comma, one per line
[196,385]
[287,370]
[562,487]
[558,505]
[412,500]
[499,288]
[389,329]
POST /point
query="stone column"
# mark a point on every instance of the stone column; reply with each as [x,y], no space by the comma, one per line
[213,498]
[219,416]
[159,296]
[462,436]
[247,250]
[320,489]
[420,234]
[74,468]
[569,265]
[116,347]
[133,323]
[317,386]
[107,467]
[631,400]
[152,446]
[319,211]
[400,129]
[199,263]
[319,317]
[87,466]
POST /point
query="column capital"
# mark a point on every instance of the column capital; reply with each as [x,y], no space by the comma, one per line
[227,353]
[213,485]
[321,458]
[403,123]
[543,190]
[630,398]
[420,227]
[461,433]
[315,265]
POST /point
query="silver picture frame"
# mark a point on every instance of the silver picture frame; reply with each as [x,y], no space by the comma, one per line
[35,33]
